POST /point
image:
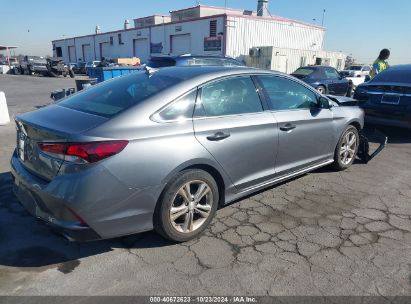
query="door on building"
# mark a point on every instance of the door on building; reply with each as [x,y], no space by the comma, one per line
[305,129]
[281,63]
[180,44]
[87,55]
[104,50]
[72,53]
[141,49]
[59,51]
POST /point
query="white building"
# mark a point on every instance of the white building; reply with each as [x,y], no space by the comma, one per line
[199,30]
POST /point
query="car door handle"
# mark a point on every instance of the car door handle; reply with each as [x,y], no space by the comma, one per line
[288,127]
[218,136]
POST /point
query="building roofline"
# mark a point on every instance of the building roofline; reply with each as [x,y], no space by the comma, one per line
[155,15]
[268,18]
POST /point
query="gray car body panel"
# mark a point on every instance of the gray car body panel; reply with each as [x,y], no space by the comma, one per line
[118,196]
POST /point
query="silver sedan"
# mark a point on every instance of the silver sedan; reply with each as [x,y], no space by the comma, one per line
[164,149]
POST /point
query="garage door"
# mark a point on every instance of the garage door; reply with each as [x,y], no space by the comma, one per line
[141,49]
[87,55]
[181,44]
[72,53]
[104,50]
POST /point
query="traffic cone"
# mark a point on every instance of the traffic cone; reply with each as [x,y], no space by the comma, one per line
[4,111]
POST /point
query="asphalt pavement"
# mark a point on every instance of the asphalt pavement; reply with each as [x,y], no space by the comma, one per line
[325,233]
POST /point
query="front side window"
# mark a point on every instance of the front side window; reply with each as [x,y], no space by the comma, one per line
[286,94]
[231,96]
[331,74]
[181,109]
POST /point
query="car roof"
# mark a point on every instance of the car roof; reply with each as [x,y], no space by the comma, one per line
[401,67]
[191,72]
[191,56]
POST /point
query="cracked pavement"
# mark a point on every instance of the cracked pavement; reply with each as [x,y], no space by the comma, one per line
[325,233]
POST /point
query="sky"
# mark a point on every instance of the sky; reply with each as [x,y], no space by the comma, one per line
[360,28]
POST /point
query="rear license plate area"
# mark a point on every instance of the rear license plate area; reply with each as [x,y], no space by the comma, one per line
[391,99]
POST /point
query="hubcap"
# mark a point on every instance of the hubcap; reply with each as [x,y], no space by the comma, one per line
[348,147]
[191,206]
[320,90]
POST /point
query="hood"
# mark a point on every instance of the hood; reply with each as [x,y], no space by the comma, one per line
[343,101]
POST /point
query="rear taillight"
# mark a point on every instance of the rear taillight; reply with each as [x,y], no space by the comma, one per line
[89,152]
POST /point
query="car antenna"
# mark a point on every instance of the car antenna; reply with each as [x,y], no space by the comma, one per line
[150,71]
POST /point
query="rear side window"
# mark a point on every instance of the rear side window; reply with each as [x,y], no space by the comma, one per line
[285,94]
[179,110]
[231,96]
[114,96]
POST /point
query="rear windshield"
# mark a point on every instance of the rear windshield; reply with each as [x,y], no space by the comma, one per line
[114,96]
[304,72]
[355,68]
[161,62]
[394,75]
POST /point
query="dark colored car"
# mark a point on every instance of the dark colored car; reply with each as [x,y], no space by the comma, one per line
[386,99]
[78,67]
[165,61]
[325,80]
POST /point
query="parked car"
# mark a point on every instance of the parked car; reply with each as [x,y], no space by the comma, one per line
[32,64]
[78,67]
[167,61]
[325,80]
[386,99]
[165,148]
[92,64]
[56,68]
[357,70]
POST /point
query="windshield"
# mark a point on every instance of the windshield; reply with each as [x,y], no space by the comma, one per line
[355,68]
[304,72]
[114,96]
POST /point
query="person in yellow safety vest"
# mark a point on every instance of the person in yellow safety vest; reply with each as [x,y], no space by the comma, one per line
[380,64]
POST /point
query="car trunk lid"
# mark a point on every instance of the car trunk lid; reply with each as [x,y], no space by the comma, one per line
[49,124]
[389,95]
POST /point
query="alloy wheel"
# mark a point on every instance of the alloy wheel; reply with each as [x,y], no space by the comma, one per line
[191,206]
[348,148]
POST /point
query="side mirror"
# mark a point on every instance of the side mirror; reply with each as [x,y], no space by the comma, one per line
[324,103]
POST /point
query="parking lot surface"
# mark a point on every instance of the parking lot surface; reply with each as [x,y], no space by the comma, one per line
[325,233]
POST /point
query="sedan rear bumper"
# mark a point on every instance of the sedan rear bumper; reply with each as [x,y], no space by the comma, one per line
[29,190]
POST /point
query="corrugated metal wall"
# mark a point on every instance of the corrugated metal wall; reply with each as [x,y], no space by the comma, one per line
[272,58]
[245,33]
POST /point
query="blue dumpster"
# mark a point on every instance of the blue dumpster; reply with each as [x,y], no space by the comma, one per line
[103,74]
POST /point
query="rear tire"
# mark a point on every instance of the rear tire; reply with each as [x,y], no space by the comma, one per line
[187,206]
[347,148]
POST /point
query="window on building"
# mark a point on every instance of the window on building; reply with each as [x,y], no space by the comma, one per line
[213,28]
[231,96]
[111,40]
[286,94]
[120,41]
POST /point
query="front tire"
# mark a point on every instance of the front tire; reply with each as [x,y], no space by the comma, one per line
[187,206]
[347,148]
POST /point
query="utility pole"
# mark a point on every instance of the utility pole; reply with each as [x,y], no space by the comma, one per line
[322,22]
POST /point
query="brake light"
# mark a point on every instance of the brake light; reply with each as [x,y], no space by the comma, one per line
[89,152]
